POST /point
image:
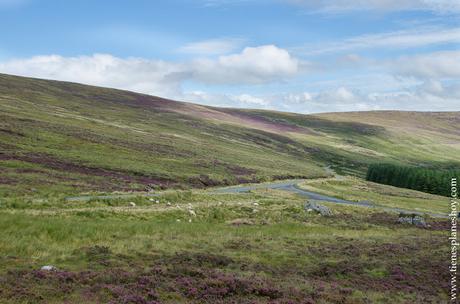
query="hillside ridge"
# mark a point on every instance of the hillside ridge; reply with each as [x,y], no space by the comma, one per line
[70,138]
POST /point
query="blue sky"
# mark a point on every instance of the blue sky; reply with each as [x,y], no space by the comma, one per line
[292,55]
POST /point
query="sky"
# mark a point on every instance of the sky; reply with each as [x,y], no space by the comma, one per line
[304,56]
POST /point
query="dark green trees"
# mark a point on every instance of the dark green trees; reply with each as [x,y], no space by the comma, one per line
[430,180]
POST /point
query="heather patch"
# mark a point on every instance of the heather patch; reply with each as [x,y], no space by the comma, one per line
[194,277]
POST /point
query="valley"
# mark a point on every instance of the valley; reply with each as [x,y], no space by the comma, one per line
[130,198]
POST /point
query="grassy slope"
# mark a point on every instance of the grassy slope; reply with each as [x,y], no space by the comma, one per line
[58,137]
[409,137]
[355,189]
[107,252]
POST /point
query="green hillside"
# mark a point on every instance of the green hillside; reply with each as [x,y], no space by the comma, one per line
[59,137]
[200,246]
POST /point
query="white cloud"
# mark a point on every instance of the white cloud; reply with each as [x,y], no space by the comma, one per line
[419,82]
[389,40]
[141,75]
[212,46]
[342,6]
[341,94]
[444,64]
[253,65]
[428,96]
[251,100]
[228,100]
[297,99]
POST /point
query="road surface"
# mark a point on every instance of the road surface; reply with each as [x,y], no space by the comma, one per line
[290,186]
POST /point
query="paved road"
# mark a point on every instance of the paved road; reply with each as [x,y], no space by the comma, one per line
[292,186]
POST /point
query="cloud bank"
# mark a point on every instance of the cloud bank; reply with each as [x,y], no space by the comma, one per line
[254,65]
[428,81]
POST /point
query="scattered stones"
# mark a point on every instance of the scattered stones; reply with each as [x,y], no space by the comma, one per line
[412,219]
[48,268]
[312,206]
[132,204]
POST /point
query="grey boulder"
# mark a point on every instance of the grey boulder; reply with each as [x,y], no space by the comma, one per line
[412,219]
[323,210]
[48,268]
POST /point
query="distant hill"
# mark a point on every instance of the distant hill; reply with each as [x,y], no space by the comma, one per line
[67,137]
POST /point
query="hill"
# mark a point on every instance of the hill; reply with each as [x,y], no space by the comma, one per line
[200,246]
[68,138]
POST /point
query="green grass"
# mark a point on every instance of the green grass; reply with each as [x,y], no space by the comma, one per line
[58,137]
[283,240]
[355,189]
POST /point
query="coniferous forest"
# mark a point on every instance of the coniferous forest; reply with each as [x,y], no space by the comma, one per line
[430,180]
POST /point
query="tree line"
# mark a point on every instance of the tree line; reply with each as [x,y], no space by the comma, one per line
[430,180]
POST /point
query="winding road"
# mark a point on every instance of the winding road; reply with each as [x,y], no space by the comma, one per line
[290,186]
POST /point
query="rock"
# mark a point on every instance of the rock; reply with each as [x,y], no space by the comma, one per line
[419,221]
[132,204]
[240,222]
[412,219]
[323,210]
[48,268]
